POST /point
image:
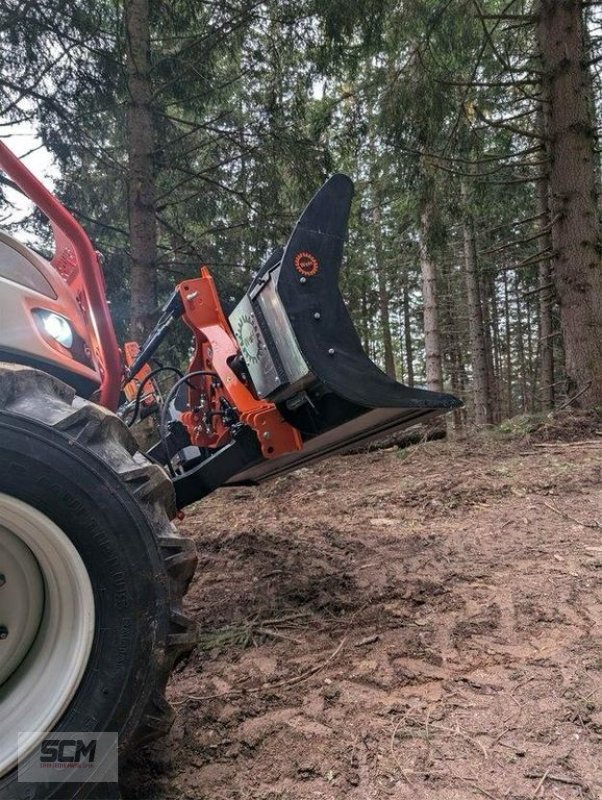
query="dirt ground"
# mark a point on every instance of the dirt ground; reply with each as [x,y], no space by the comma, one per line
[421,624]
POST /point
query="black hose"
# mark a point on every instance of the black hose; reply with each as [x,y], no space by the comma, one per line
[143,383]
[171,394]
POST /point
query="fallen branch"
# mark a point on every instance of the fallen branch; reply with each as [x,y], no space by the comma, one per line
[277,635]
[556,778]
[575,397]
[368,640]
[540,784]
[578,443]
[287,618]
[595,525]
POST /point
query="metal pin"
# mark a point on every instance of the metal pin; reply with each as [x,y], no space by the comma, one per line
[302,280]
[317,315]
[331,351]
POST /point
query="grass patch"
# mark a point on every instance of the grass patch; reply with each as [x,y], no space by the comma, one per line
[517,427]
[226,637]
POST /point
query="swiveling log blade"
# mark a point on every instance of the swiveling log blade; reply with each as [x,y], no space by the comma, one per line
[303,353]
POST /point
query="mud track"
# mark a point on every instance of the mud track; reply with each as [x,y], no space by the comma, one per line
[415,624]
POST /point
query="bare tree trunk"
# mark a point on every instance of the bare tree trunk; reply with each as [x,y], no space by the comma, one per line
[456,381]
[407,328]
[495,360]
[546,291]
[487,333]
[520,343]
[401,366]
[383,291]
[365,336]
[478,347]
[508,325]
[530,350]
[455,356]
[576,234]
[432,339]
[141,178]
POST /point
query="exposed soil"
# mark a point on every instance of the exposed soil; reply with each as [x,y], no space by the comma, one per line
[413,624]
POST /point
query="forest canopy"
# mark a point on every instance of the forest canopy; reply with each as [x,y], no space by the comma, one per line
[192,132]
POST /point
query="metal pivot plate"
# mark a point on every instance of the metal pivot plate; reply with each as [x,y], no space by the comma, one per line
[46,626]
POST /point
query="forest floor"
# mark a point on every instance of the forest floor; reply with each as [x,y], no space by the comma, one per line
[421,624]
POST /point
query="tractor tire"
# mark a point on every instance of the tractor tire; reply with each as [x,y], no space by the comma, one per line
[85,519]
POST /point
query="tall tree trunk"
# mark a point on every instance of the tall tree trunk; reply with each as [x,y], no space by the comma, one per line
[455,356]
[383,291]
[407,327]
[141,177]
[495,360]
[508,332]
[487,333]
[530,349]
[478,345]
[365,333]
[576,235]
[546,344]
[432,338]
[520,344]
[456,380]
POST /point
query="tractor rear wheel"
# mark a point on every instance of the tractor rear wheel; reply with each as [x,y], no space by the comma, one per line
[92,575]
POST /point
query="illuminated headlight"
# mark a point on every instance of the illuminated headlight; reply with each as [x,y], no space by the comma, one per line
[60,334]
[59,329]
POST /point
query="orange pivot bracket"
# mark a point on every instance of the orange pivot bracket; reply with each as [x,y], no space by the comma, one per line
[276,437]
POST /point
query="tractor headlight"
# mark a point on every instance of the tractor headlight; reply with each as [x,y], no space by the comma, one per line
[61,335]
[59,329]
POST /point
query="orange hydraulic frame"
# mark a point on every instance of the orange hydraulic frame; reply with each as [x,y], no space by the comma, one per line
[215,349]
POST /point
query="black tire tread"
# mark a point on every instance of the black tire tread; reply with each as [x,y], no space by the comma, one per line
[28,392]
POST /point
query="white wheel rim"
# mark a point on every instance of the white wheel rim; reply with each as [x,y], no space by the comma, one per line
[46,626]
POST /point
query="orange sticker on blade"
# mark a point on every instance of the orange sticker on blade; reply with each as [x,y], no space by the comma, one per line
[306,264]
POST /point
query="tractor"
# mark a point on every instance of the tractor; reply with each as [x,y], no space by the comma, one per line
[92,567]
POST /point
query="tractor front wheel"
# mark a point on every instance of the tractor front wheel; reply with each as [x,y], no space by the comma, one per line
[92,575]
